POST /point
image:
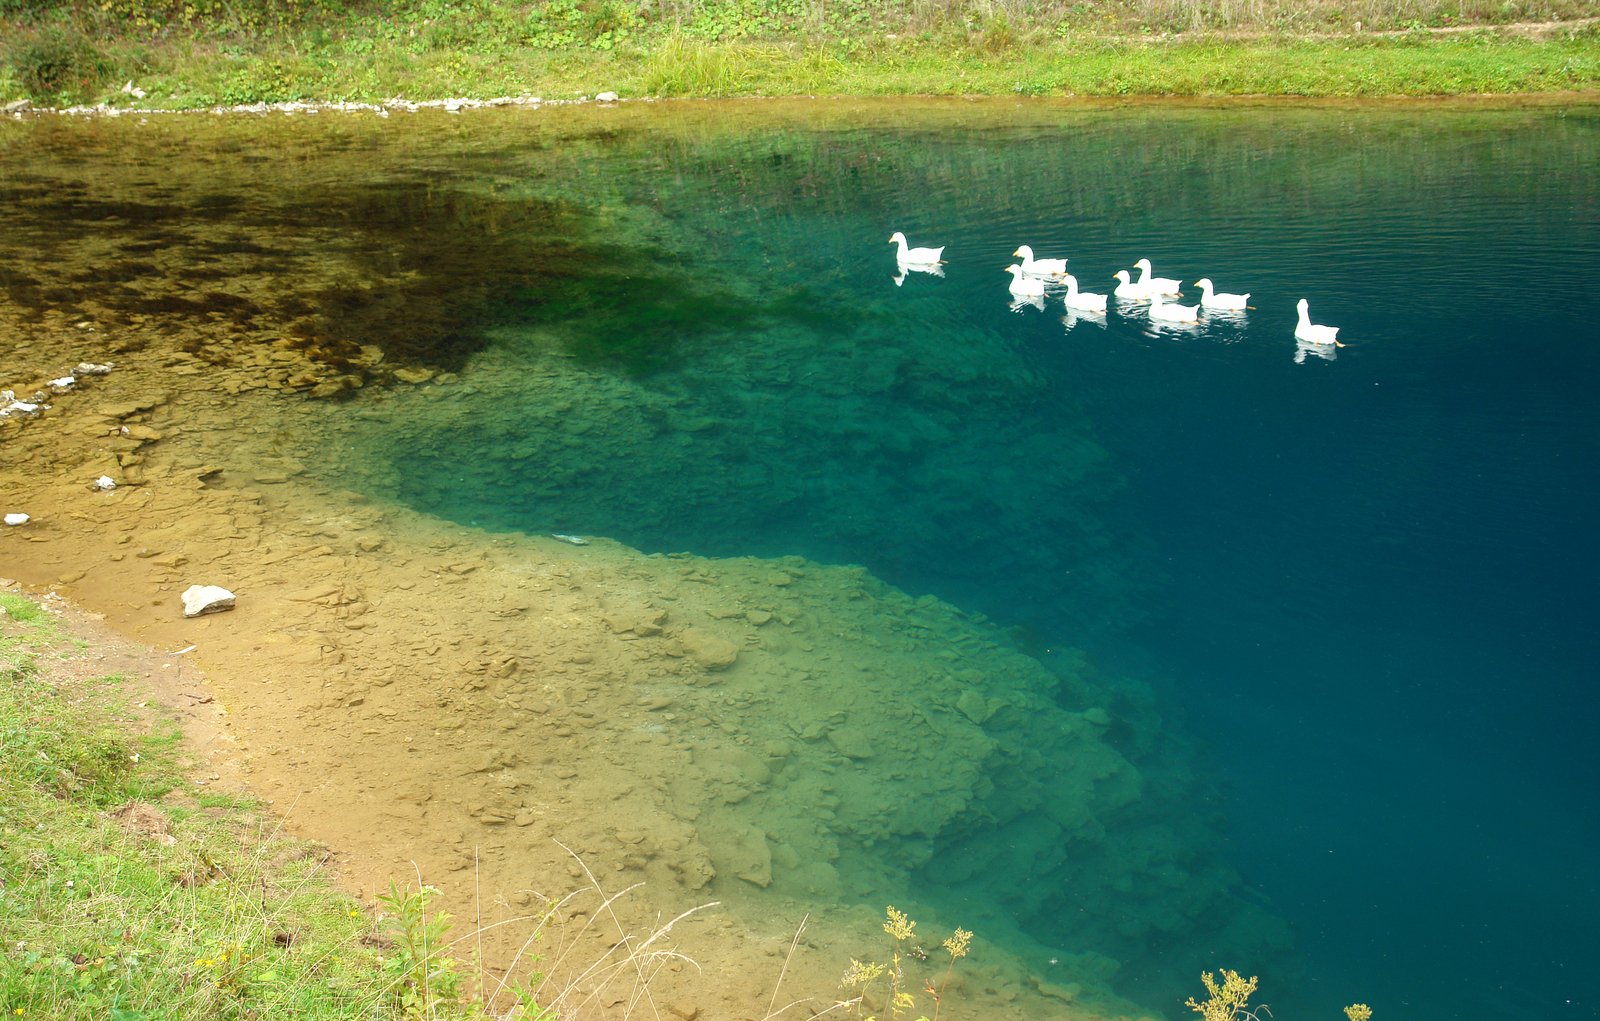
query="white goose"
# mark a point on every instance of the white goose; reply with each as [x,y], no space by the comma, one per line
[1221,302]
[1156,285]
[1127,290]
[1083,301]
[1171,313]
[1024,287]
[1305,330]
[1039,267]
[915,256]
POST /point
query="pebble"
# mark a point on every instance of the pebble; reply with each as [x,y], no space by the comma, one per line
[16,519]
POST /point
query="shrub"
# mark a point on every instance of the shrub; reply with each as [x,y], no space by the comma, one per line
[58,64]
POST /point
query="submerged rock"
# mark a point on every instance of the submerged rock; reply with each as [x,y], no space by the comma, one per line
[16,519]
[199,599]
[708,651]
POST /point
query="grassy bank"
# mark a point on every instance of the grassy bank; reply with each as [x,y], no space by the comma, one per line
[128,893]
[207,52]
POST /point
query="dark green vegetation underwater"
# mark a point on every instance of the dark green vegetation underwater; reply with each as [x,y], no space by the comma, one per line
[202,53]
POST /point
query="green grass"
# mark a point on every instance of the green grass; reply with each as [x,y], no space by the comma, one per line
[123,898]
[206,52]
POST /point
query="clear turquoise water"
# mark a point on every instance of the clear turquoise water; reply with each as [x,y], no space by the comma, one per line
[1362,587]
[1367,580]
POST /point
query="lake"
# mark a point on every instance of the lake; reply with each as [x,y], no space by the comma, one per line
[1139,649]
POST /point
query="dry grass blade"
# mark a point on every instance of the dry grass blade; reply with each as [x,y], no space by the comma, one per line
[644,962]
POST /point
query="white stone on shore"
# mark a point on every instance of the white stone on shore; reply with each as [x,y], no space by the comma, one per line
[16,519]
[105,483]
[198,599]
[607,97]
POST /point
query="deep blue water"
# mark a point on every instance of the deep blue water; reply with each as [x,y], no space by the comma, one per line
[1365,584]
[1379,570]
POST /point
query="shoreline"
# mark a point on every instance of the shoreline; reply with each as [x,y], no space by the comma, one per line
[1485,100]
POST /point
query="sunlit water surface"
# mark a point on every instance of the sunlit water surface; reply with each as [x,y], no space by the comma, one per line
[1361,579]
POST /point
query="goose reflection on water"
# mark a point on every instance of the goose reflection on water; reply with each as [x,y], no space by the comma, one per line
[1302,348]
[1236,317]
[1171,312]
[905,269]
[1019,302]
[1075,316]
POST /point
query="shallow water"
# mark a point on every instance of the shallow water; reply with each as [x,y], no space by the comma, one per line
[1336,600]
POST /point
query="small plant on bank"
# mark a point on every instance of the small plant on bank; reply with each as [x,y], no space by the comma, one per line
[1225,1000]
[899,1000]
[425,976]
